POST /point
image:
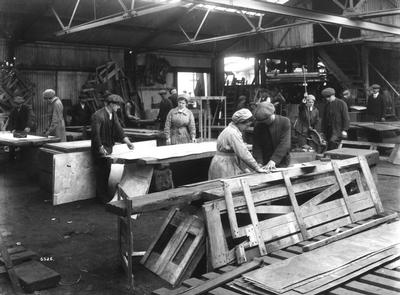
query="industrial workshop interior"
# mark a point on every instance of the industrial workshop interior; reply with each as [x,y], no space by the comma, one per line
[224,147]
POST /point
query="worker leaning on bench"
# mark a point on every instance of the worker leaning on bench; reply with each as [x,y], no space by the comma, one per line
[106,130]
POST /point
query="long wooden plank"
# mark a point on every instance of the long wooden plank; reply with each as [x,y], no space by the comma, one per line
[254,218]
[371,184]
[343,189]
[155,201]
[295,205]
[223,278]
[375,280]
[216,236]
[350,232]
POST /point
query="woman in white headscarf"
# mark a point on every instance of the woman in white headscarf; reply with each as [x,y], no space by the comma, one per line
[233,157]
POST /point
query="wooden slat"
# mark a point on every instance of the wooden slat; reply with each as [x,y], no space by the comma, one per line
[350,232]
[216,236]
[295,205]
[388,273]
[380,282]
[223,278]
[369,289]
[160,232]
[253,217]
[343,190]
[240,253]
[371,184]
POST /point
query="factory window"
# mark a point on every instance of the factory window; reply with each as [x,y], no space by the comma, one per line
[194,84]
[239,70]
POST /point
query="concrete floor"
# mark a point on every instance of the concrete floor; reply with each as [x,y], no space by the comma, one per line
[81,237]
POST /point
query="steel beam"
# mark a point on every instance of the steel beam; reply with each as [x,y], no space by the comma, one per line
[262,7]
[117,18]
[243,34]
[379,13]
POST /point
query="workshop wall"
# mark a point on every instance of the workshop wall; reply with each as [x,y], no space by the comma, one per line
[61,67]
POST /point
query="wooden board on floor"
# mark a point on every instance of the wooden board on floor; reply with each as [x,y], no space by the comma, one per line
[35,276]
[327,258]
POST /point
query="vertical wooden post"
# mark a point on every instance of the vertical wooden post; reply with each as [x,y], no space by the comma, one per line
[365,69]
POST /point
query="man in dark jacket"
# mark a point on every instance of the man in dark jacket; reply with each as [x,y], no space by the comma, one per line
[335,121]
[21,118]
[106,130]
[271,140]
[173,97]
[376,105]
[81,112]
[165,107]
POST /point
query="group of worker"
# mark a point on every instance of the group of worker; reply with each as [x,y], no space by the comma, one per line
[271,140]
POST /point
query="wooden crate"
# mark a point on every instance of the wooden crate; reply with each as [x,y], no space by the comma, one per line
[254,223]
[178,247]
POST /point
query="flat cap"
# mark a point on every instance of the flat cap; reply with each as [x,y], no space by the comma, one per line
[114,98]
[49,93]
[241,115]
[328,92]
[162,91]
[375,86]
[264,110]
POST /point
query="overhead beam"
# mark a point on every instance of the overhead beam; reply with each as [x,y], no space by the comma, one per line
[244,34]
[261,6]
[124,15]
[379,13]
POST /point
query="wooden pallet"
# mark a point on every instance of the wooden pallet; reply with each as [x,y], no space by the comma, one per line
[337,200]
[381,280]
[178,247]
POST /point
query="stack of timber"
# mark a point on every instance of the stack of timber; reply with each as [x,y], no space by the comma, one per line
[381,277]
[319,270]
[251,222]
[12,84]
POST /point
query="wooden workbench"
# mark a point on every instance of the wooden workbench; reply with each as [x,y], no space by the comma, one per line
[139,164]
[7,138]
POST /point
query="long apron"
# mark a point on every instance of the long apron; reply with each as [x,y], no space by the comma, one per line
[224,165]
[180,135]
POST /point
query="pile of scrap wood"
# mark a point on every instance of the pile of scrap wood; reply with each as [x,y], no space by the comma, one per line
[11,84]
[111,78]
[256,215]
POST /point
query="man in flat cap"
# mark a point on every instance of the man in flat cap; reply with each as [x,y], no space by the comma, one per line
[56,118]
[376,105]
[21,118]
[335,121]
[173,97]
[165,107]
[81,112]
[271,140]
[106,130]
